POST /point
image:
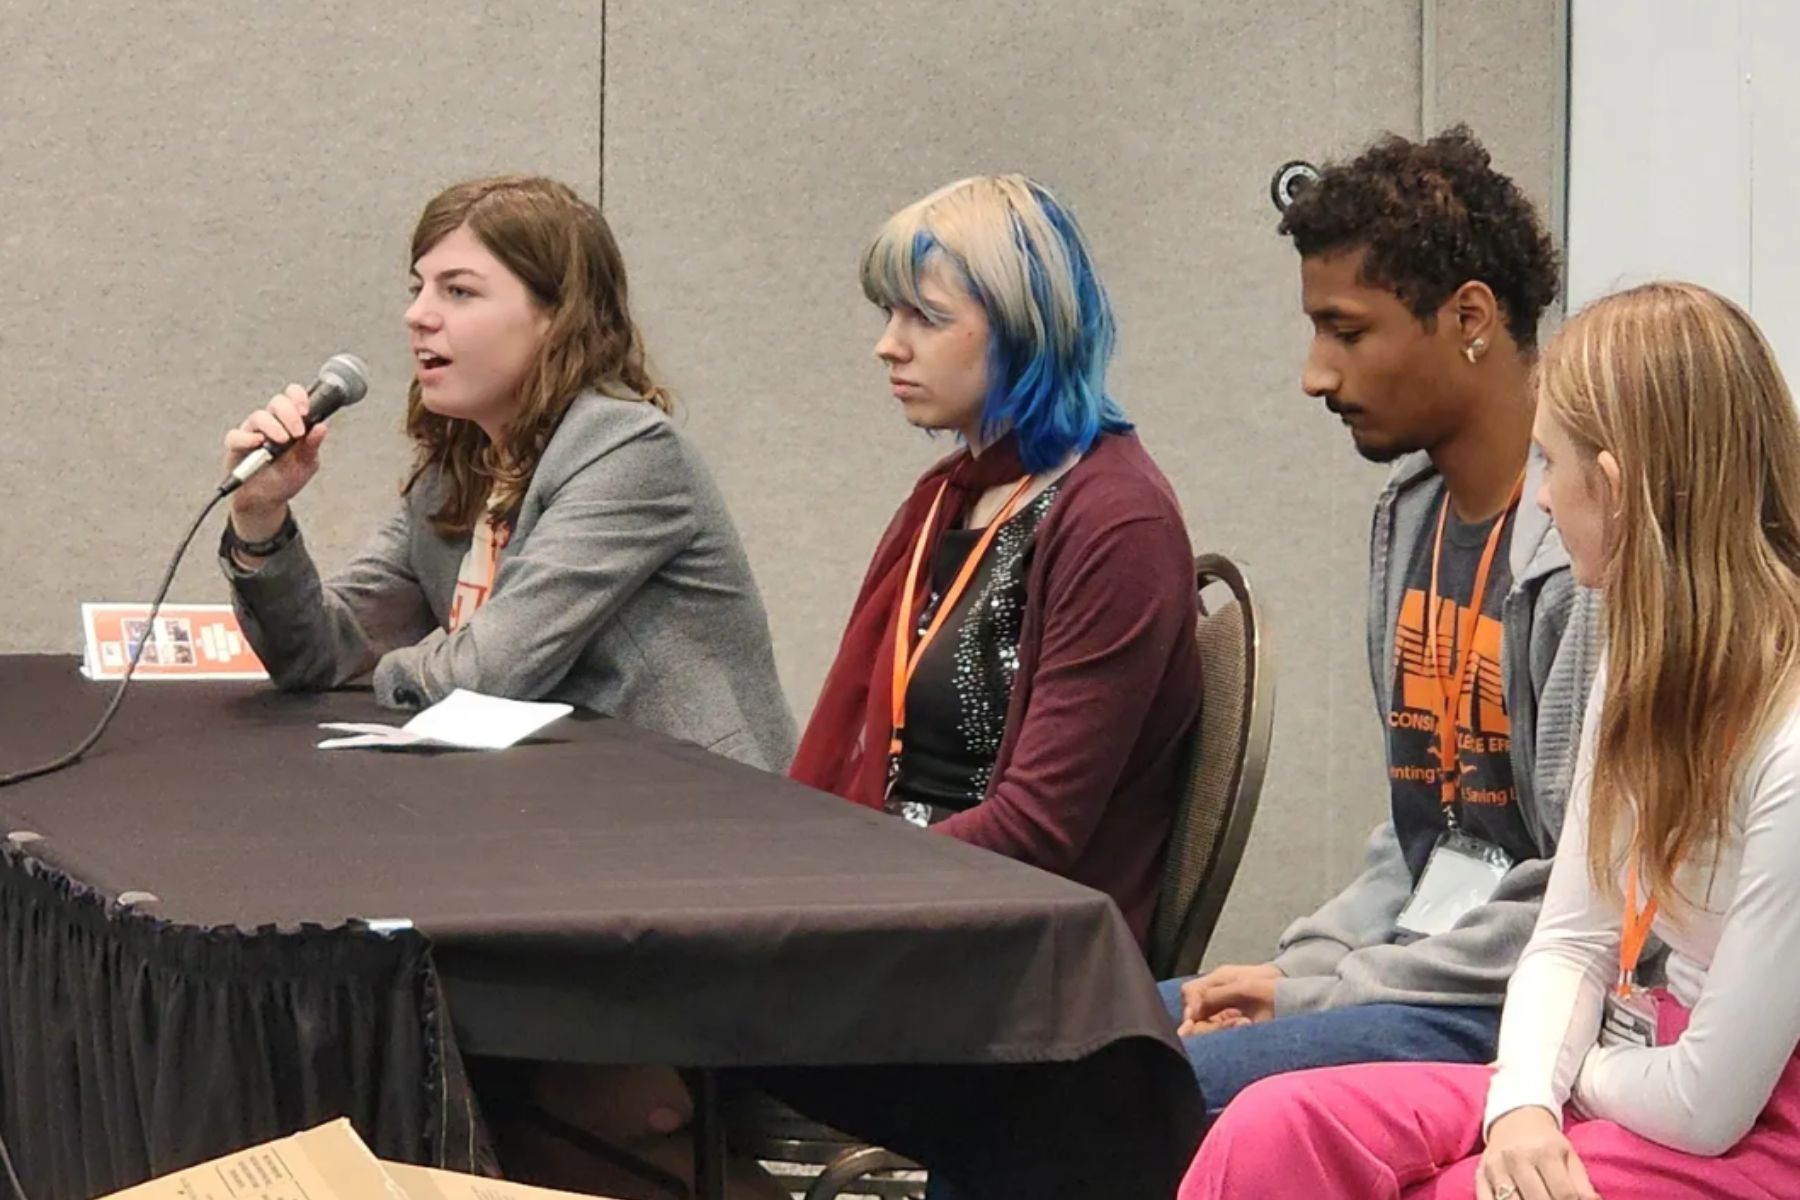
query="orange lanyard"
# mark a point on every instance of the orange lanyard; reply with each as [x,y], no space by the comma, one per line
[906,655]
[1635,929]
[1451,684]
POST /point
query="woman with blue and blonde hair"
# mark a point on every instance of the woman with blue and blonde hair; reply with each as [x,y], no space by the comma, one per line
[1019,670]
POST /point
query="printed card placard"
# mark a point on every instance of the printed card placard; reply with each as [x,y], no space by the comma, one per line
[189,641]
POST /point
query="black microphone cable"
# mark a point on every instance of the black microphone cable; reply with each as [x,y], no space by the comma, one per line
[74,756]
[12,1176]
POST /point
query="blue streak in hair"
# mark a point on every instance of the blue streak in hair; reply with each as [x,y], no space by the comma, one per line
[924,245]
[1054,396]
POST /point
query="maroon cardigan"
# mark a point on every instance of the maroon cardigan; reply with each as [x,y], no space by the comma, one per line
[1088,774]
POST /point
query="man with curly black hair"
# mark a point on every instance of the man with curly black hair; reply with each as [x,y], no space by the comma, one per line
[1424,273]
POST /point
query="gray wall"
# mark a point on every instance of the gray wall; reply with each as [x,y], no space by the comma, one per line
[204,201]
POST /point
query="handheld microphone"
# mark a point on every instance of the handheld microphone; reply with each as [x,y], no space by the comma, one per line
[342,381]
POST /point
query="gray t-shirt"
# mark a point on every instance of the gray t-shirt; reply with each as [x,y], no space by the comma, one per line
[1487,802]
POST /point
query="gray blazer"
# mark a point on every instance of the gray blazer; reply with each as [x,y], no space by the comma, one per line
[624,589]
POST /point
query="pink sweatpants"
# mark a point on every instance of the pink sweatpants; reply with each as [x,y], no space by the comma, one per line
[1411,1131]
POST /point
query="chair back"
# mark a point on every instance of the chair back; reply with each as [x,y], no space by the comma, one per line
[1228,756]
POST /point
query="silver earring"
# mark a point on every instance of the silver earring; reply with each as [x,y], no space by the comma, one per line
[1475,350]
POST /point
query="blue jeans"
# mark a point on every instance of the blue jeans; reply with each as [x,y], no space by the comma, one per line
[1227,1062]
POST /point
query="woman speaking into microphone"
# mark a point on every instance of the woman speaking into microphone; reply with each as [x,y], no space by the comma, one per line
[557,537]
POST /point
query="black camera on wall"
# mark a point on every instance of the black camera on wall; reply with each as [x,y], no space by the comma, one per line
[1290,179]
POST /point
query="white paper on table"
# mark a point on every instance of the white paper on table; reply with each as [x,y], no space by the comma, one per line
[465,720]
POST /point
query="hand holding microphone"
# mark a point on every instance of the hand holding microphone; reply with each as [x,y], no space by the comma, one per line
[263,474]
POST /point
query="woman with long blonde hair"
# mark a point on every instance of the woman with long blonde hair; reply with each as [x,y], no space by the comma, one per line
[1674,479]
[558,538]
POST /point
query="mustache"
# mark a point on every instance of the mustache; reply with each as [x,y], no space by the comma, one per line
[1339,408]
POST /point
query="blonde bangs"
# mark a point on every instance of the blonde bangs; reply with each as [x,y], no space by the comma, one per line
[987,233]
[897,259]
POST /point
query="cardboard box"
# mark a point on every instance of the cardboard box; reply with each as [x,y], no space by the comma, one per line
[327,1163]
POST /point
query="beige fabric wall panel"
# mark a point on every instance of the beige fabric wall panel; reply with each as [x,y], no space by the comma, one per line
[751,150]
[205,200]
[1501,66]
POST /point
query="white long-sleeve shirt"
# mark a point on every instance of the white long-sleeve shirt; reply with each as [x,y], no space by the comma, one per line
[1734,962]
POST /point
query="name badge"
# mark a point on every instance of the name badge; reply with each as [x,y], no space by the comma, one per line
[1462,874]
[1629,1020]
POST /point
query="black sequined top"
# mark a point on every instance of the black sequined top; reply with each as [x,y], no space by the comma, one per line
[956,704]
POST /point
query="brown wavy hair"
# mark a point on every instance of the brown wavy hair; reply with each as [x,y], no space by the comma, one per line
[561,248]
[1702,573]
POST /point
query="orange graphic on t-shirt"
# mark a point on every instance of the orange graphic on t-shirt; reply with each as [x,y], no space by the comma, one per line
[1482,707]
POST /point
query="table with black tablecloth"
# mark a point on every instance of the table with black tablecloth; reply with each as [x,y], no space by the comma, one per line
[600,894]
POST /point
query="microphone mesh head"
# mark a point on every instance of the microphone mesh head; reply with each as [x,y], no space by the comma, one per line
[349,374]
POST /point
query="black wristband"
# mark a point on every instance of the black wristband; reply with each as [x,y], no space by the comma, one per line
[234,545]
